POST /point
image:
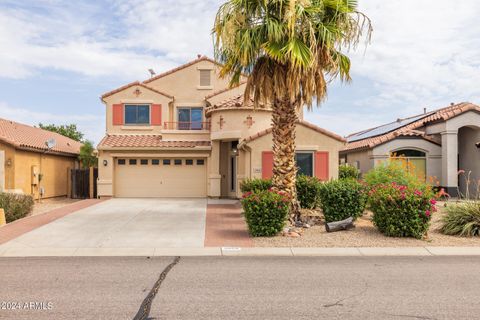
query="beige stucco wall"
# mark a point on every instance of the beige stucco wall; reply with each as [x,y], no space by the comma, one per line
[306,140]
[184,84]
[234,123]
[364,159]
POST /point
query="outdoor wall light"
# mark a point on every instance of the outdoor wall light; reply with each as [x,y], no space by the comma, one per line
[105,163]
[9,162]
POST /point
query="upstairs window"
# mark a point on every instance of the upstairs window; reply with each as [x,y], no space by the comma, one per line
[137,114]
[205,78]
[190,118]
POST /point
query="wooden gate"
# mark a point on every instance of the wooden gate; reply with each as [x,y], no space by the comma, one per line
[82,182]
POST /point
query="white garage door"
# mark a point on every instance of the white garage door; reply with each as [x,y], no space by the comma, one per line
[162,177]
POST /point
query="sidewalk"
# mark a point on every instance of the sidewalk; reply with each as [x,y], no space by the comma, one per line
[237,251]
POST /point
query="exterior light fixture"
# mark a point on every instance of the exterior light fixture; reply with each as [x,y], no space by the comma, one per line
[105,162]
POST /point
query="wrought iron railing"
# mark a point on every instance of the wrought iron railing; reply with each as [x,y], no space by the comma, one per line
[179,125]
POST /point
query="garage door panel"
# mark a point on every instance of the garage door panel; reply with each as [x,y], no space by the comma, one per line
[151,181]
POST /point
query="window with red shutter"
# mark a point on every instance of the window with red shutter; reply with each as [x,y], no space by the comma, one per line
[156,115]
[117,114]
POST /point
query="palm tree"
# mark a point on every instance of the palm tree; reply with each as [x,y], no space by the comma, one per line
[290,50]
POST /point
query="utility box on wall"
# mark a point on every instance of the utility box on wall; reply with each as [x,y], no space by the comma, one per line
[35,175]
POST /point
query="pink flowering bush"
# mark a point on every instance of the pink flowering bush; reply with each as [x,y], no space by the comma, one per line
[402,211]
[265,212]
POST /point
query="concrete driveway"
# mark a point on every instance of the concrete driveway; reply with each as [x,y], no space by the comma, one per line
[123,223]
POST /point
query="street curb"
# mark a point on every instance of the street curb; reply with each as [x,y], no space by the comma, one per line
[240,252]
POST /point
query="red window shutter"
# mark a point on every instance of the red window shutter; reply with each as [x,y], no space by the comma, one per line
[156,115]
[321,165]
[267,164]
[117,116]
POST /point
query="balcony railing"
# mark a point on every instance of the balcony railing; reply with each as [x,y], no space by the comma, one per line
[186,125]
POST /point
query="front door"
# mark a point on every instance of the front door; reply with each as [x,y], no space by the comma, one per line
[232,176]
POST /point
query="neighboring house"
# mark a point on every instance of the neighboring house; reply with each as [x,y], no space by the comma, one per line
[185,133]
[27,165]
[438,144]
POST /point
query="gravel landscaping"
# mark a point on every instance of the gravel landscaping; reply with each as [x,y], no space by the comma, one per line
[366,235]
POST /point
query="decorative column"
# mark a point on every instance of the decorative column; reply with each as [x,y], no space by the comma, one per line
[450,161]
[214,177]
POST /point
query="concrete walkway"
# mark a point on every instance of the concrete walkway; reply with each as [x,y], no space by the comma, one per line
[123,226]
[225,225]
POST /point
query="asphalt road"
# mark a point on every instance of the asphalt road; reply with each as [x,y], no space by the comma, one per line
[241,288]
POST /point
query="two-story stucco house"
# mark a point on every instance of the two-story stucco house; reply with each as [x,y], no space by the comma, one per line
[438,144]
[185,133]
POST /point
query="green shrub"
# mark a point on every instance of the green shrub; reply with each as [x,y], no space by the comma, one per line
[308,191]
[340,199]
[401,211]
[462,219]
[348,172]
[255,185]
[265,212]
[16,206]
[392,171]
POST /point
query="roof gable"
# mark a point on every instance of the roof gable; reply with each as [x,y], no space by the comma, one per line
[135,83]
[300,122]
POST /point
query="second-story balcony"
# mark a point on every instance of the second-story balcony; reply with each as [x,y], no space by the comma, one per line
[186,125]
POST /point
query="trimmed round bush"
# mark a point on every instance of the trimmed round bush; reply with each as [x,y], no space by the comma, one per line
[265,212]
[401,211]
[348,172]
[308,191]
[340,199]
[16,206]
[255,185]
[462,219]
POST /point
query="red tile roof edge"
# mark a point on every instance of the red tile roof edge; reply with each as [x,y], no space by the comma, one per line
[106,144]
[441,114]
[7,136]
[135,83]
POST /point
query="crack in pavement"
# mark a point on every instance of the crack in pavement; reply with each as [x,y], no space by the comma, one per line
[144,310]
[339,303]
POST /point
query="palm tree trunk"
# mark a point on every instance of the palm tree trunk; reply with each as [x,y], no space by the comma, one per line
[284,119]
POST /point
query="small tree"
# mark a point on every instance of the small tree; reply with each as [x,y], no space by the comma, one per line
[87,155]
[69,130]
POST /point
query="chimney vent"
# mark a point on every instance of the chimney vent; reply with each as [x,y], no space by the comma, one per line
[424,110]
[199,56]
[452,103]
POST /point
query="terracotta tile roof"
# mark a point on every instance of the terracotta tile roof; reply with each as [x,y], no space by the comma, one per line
[146,141]
[25,137]
[136,83]
[216,93]
[234,103]
[301,122]
[410,128]
[183,66]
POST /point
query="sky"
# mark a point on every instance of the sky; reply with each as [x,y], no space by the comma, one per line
[57,58]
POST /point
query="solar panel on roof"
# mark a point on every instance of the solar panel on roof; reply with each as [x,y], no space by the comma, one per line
[378,131]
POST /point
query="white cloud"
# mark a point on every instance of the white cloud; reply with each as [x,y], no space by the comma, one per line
[86,123]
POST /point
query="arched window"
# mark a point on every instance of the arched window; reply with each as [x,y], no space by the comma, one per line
[415,160]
